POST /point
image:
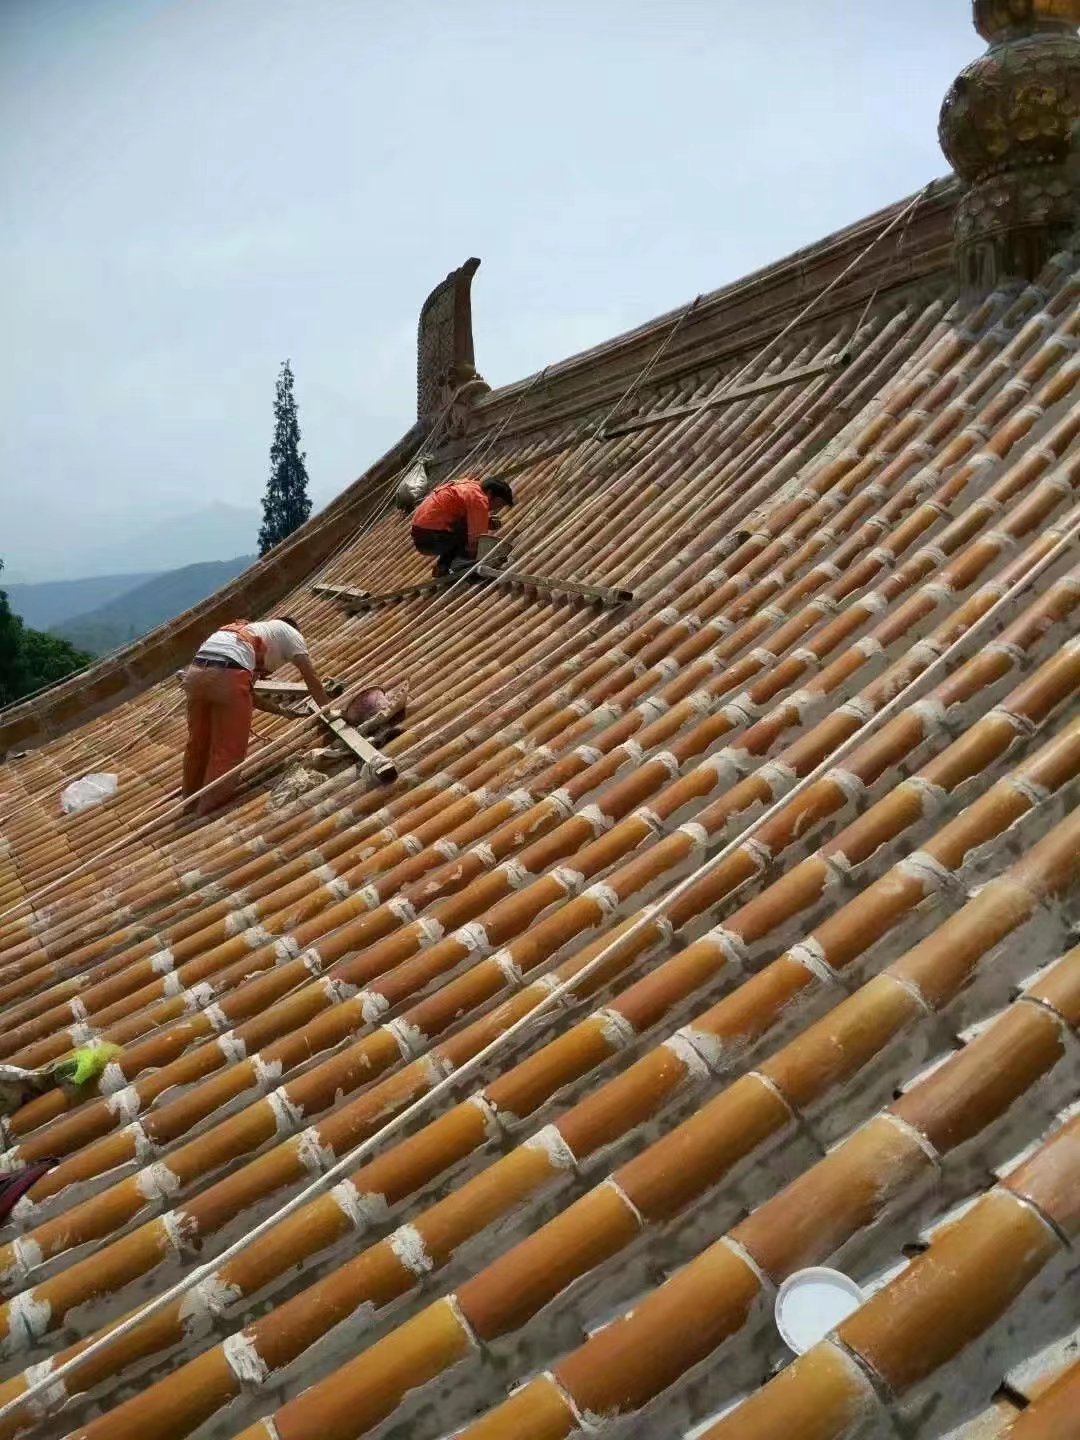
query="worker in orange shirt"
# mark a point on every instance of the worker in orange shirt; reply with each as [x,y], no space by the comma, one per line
[449,522]
[220,684]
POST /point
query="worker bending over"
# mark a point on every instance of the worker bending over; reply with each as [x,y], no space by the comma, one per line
[220,685]
[450,521]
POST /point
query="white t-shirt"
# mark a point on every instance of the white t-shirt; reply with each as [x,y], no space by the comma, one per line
[282,642]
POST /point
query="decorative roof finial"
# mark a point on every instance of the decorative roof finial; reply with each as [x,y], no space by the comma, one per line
[1007,129]
[446,373]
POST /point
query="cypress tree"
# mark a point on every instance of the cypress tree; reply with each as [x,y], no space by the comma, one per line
[286,504]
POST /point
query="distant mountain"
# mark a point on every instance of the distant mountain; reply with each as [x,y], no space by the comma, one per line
[50,602]
[127,616]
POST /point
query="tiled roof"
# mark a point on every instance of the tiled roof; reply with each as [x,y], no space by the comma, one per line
[703,939]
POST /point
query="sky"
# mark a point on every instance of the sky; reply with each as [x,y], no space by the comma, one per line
[193,190]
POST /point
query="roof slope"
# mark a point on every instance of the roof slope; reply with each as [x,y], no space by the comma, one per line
[703,939]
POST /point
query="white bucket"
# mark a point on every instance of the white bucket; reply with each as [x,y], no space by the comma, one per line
[812,1302]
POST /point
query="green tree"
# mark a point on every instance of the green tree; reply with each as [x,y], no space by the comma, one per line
[286,504]
[30,659]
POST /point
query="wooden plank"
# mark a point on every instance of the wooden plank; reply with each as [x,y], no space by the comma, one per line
[598,594]
[340,592]
[356,601]
[381,766]
[728,397]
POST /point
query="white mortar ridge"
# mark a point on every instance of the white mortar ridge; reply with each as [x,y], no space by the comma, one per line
[612,1184]
[288,1116]
[853,788]
[1020,723]
[474,938]
[412,844]
[50,1399]
[692,1061]
[596,818]
[315,1154]
[921,866]
[484,853]
[267,1072]
[179,1230]
[633,750]
[211,1299]
[517,874]
[511,971]
[244,1360]
[401,908]
[28,1320]
[932,714]
[857,709]
[112,1079]
[695,833]
[757,851]
[145,1148]
[927,1147]
[372,1005]
[240,918]
[551,1143]
[605,897]
[161,962]
[429,930]
[615,1028]
[778,776]
[256,937]
[935,555]
[492,1128]
[27,1254]
[667,760]
[933,797]
[229,1043]
[408,1245]
[286,948]
[447,848]
[124,1103]
[352,1204]
[561,801]
[712,1050]
[1031,790]
[651,708]
[324,874]
[411,1040]
[572,881]
[811,956]
[337,991]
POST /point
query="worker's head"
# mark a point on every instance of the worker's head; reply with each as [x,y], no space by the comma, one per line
[290,621]
[498,491]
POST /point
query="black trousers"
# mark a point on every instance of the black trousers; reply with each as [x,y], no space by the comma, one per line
[448,545]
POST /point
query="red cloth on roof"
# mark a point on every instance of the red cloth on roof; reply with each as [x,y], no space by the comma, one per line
[453,502]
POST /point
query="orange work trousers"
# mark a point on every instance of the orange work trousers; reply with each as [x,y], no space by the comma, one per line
[219,706]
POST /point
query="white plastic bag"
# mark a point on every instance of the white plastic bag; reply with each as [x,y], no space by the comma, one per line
[413,487]
[90,790]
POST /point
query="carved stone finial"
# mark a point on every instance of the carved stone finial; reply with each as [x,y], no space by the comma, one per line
[445,364]
[1007,129]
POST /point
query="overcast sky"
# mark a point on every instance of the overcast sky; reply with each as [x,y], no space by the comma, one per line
[192,190]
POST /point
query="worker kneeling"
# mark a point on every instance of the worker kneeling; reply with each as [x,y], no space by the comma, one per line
[450,521]
[220,684]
